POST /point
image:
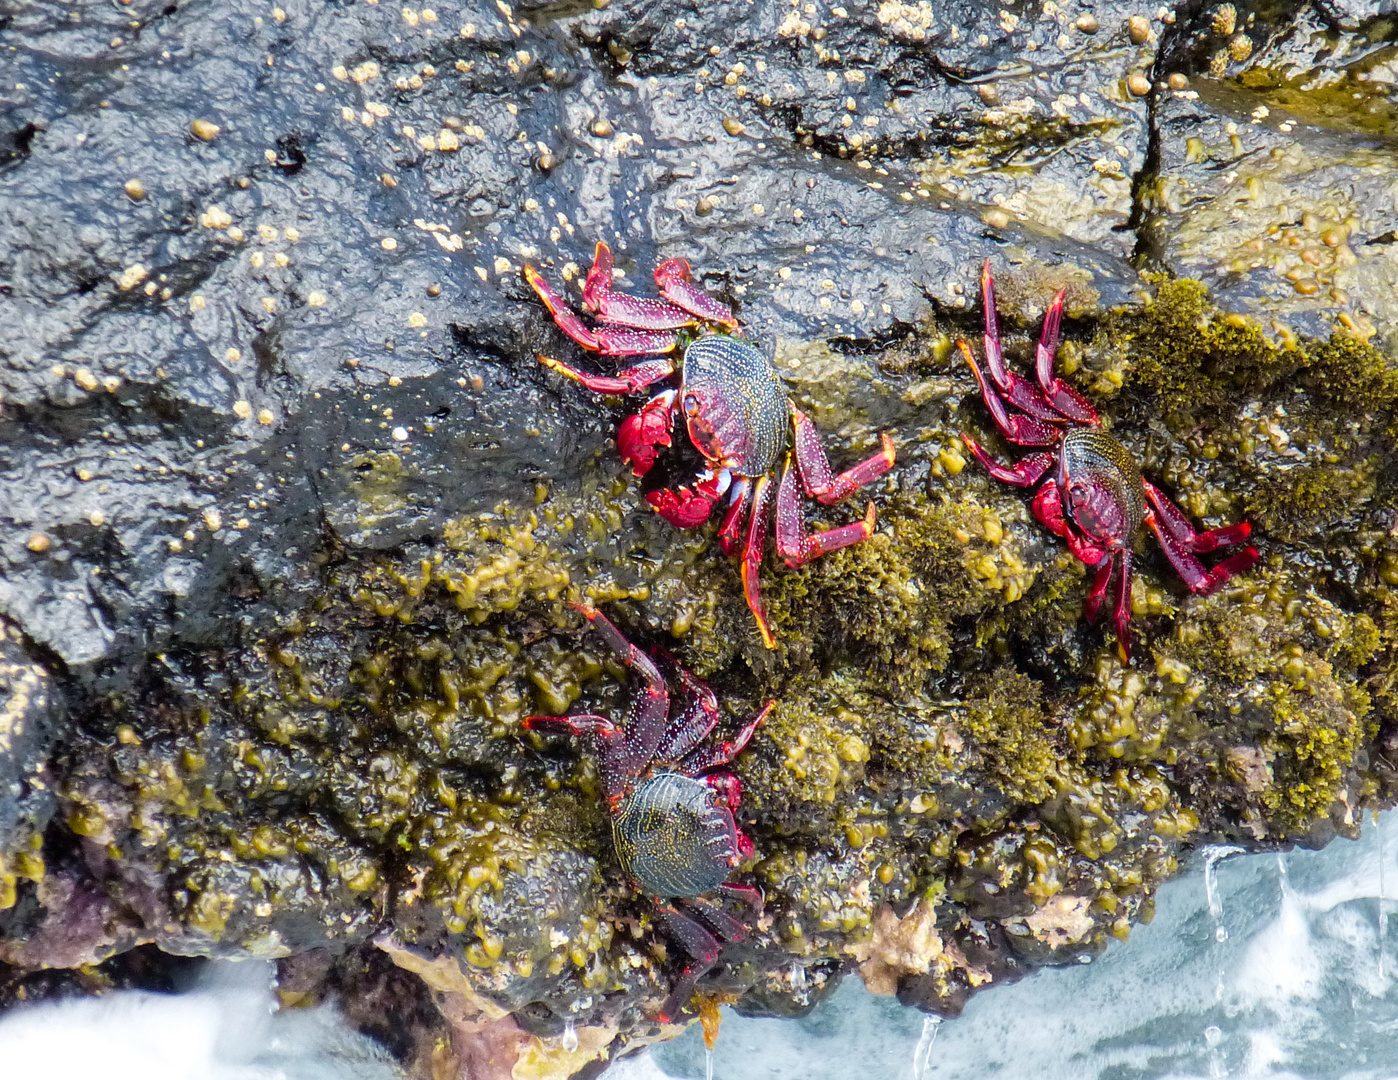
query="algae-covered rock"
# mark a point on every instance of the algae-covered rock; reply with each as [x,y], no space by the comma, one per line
[290,515]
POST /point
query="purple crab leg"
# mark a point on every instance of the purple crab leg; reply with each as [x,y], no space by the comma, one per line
[748,894]
[1060,395]
[700,758]
[754,545]
[1026,472]
[1024,430]
[639,313]
[628,748]
[1018,390]
[699,944]
[1179,541]
[814,466]
[730,532]
[794,544]
[630,380]
[1092,608]
[1174,521]
[1121,614]
[608,341]
[673,280]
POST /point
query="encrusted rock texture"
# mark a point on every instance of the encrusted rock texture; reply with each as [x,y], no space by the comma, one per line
[290,513]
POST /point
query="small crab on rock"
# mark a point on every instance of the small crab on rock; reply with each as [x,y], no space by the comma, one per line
[1094,497]
[737,412]
[672,812]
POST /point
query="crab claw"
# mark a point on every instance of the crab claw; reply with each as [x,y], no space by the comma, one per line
[642,432]
[687,508]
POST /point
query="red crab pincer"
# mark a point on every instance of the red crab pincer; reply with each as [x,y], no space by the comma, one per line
[672,812]
[736,410]
[1094,497]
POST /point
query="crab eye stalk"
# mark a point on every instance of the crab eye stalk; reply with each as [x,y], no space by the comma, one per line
[691,405]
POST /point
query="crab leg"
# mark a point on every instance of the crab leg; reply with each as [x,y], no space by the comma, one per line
[748,894]
[730,532]
[630,380]
[1024,430]
[1173,520]
[1026,472]
[1121,614]
[699,943]
[1060,395]
[754,545]
[794,544]
[639,313]
[700,758]
[814,466]
[626,750]
[637,340]
[1018,390]
[1189,568]
[1092,608]
[673,280]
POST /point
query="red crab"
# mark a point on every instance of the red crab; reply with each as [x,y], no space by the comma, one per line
[737,412]
[1095,497]
[672,814]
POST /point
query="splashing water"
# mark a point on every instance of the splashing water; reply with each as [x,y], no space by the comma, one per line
[922,1056]
[1213,855]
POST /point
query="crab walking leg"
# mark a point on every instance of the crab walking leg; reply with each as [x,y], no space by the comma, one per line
[1018,390]
[1026,472]
[639,313]
[1024,430]
[645,722]
[636,340]
[1189,568]
[1121,614]
[754,546]
[673,280]
[730,532]
[1064,399]
[701,758]
[814,466]
[794,544]
[701,945]
[1092,608]
[748,894]
[630,380]
[1173,520]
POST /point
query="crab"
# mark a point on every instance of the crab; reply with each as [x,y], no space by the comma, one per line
[1094,496]
[736,411]
[671,807]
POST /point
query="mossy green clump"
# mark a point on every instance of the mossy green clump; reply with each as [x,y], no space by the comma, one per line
[1008,725]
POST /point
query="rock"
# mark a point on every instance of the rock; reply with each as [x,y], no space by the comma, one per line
[311,510]
[1279,201]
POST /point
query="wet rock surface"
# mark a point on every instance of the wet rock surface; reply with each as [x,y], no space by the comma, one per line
[289,511]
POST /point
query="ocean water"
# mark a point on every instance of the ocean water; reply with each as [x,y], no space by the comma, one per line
[1277,966]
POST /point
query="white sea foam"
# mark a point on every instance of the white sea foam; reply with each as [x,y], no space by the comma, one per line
[225,1030]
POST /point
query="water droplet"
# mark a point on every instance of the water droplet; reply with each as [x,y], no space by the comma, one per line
[1213,1035]
[708,1064]
[570,1036]
[1220,933]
